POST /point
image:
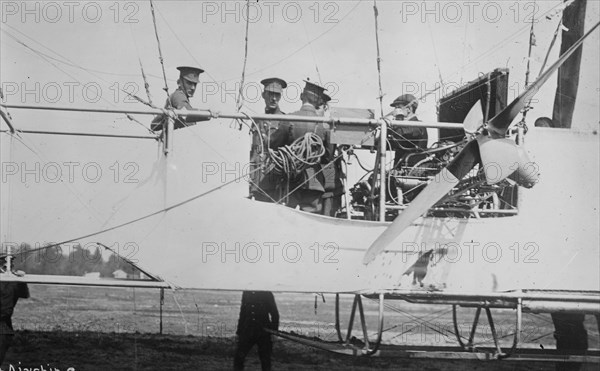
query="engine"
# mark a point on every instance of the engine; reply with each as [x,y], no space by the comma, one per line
[471,197]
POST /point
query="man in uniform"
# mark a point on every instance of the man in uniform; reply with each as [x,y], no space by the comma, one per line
[10,292]
[266,186]
[180,99]
[332,171]
[257,312]
[308,186]
[405,140]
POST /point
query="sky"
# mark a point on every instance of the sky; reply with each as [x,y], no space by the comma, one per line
[94,50]
[83,54]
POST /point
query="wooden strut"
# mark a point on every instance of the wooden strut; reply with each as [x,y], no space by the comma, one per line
[499,353]
[162,302]
[167,135]
[369,348]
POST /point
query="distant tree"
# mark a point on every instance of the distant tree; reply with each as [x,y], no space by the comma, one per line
[24,259]
[92,262]
[111,265]
[50,260]
[76,262]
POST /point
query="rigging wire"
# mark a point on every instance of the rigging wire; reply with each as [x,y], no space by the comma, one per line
[437,63]
[303,46]
[423,322]
[183,45]
[68,62]
[380,97]
[531,45]
[240,97]
[462,63]
[196,135]
[137,50]
[96,214]
[136,220]
[312,52]
[185,324]
[421,319]
[506,40]
[559,26]
[165,78]
[160,56]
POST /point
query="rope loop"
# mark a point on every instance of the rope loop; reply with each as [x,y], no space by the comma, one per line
[291,160]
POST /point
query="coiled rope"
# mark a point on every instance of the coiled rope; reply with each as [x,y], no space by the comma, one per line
[290,160]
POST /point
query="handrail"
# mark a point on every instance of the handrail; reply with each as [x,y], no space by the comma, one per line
[213,114]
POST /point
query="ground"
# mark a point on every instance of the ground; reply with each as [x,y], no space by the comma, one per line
[80,328]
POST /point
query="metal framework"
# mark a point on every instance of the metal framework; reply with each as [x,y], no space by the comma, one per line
[522,301]
[349,345]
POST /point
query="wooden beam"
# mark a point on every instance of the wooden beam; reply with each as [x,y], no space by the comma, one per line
[46,279]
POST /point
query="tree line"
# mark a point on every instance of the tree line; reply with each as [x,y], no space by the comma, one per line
[77,262]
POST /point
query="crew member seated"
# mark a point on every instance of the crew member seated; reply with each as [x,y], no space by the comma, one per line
[406,140]
[179,99]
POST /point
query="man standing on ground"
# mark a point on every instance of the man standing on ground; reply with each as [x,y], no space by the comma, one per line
[257,313]
[10,292]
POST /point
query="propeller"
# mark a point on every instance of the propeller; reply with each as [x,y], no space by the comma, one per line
[474,119]
[500,157]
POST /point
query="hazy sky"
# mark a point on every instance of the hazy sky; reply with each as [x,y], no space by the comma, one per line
[98,45]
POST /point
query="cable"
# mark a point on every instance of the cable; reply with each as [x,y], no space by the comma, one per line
[380,97]
[162,64]
[183,45]
[291,160]
[67,62]
[304,46]
[240,97]
[48,59]
[174,206]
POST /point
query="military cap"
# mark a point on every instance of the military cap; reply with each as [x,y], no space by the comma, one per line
[274,84]
[405,100]
[313,88]
[190,73]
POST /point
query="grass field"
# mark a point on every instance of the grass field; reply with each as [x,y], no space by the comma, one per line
[118,329]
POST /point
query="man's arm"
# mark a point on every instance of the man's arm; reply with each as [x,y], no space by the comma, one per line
[180,101]
[22,290]
[274,312]
[242,318]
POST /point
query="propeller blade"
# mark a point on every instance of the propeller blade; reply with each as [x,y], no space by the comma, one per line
[474,118]
[447,179]
[492,152]
[500,123]
[427,198]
